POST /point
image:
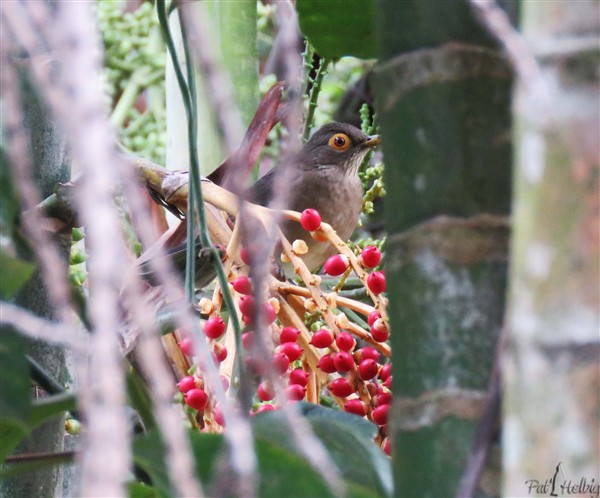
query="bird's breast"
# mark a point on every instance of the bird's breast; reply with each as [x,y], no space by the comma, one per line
[338,199]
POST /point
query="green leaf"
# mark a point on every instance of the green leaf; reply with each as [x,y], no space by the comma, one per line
[283,473]
[348,438]
[278,467]
[148,453]
[9,205]
[44,408]
[140,400]
[15,406]
[339,27]
[141,490]
[11,433]
[15,272]
[18,415]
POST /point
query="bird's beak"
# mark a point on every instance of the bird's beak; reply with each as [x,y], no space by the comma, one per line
[372,141]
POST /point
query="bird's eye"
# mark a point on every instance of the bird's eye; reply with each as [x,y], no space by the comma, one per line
[339,142]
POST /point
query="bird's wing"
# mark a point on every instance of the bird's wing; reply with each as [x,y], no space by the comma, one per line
[262,191]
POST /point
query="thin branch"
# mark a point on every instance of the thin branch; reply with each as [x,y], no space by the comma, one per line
[486,429]
[239,434]
[151,356]
[52,267]
[62,456]
[75,94]
[520,54]
[35,327]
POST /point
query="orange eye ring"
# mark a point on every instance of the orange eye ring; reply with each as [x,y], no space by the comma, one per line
[340,142]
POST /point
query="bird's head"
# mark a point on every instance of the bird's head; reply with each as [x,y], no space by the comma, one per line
[337,145]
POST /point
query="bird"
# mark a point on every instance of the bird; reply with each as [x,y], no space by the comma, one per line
[322,175]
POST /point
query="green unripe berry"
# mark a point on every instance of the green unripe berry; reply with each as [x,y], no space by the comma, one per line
[78,234]
[77,257]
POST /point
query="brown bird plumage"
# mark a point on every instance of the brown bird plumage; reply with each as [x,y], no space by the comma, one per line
[322,175]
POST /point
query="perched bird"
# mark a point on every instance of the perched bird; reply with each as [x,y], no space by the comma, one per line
[322,175]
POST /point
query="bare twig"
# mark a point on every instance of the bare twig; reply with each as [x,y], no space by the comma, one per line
[259,270]
[35,327]
[239,434]
[40,457]
[152,359]
[52,267]
[107,458]
[486,429]
[76,98]
[520,54]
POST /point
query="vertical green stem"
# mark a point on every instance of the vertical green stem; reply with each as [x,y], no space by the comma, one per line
[190,253]
[188,95]
[314,97]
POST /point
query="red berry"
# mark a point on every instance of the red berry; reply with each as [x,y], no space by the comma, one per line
[247,305]
[187,346]
[380,325]
[214,327]
[299,376]
[280,362]
[374,388]
[388,382]
[366,353]
[267,407]
[345,341]
[367,369]
[245,255]
[380,335]
[343,361]
[220,352]
[218,416]
[376,282]
[295,392]
[247,338]
[196,398]
[380,414]
[186,383]
[370,256]
[242,285]
[265,391]
[341,387]
[322,338]
[288,334]
[387,447]
[326,364]
[292,350]
[355,406]
[310,219]
[268,313]
[385,372]
[336,265]
[384,398]
[374,315]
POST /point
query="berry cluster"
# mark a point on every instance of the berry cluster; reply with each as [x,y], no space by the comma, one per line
[328,358]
